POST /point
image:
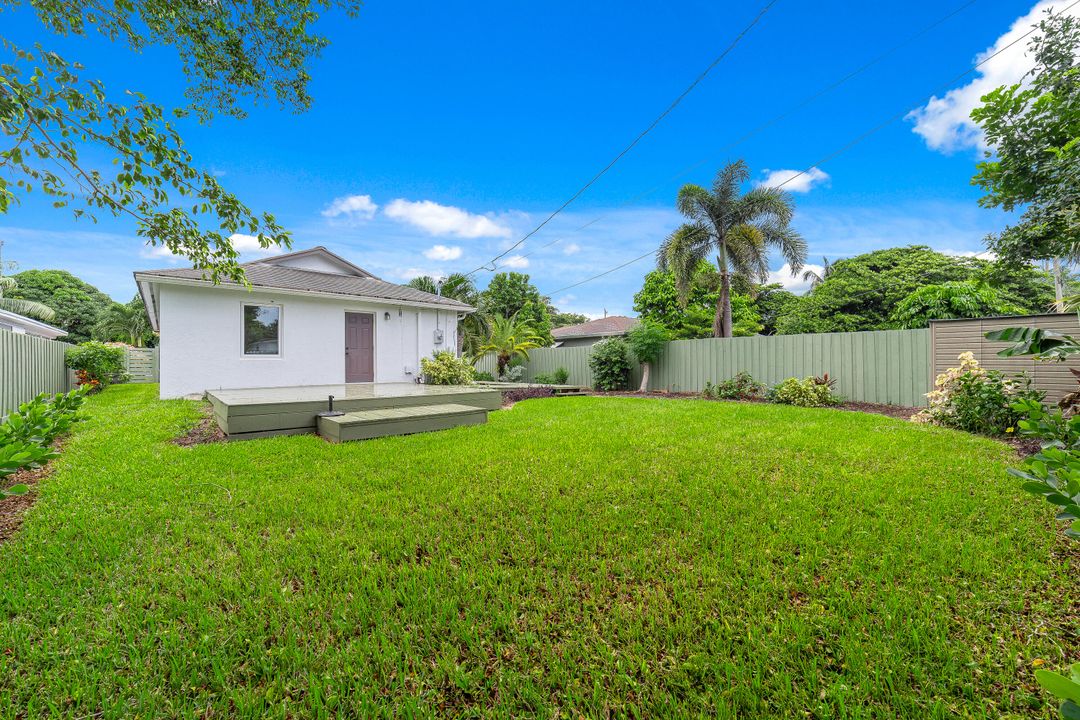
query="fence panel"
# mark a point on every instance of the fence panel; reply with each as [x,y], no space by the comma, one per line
[29,365]
[949,338]
[141,364]
[884,366]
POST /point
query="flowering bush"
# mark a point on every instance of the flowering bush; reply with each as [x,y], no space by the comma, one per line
[808,392]
[96,364]
[445,368]
[970,397]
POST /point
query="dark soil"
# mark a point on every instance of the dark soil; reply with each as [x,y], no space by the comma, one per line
[509,397]
[897,411]
[12,508]
[204,432]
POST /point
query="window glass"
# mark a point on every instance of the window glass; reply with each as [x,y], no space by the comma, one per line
[262,329]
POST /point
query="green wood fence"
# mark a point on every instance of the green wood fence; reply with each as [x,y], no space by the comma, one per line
[141,364]
[29,365]
[886,366]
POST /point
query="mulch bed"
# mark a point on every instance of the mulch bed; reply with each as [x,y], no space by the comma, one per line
[204,432]
[12,508]
[897,411]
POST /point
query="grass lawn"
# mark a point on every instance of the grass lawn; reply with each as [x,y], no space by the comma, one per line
[574,556]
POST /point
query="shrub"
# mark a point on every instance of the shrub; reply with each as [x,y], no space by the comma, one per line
[26,435]
[96,364]
[808,392]
[561,375]
[513,374]
[741,387]
[610,364]
[972,398]
[483,376]
[446,368]
[558,377]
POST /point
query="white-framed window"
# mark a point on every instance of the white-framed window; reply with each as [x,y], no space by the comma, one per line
[261,330]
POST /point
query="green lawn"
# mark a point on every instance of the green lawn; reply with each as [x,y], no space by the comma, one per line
[573,556]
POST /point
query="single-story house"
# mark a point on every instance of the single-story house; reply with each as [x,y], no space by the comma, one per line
[310,318]
[22,325]
[592,332]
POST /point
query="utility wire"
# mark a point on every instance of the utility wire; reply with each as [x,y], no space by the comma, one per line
[636,140]
[844,148]
[769,123]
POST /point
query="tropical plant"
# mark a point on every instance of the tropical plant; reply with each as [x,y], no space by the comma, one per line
[474,327]
[956,299]
[741,387]
[739,228]
[125,323]
[511,294]
[610,364]
[446,368]
[1054,472]
[1066,689]
[647,341]
[816,278]
[78,305]
[510,338]
[692,316]
[21,306]
[98,364]
[971,398]
[27,433]
[808,392]
[1043,344]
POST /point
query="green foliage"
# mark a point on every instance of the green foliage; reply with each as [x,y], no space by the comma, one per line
[511,339]
[658,301]
[562,319]
[1043,344]
[609,361]
[79,306]
[558,377]
[863,292]
[512,295]
[739,229]
[771,302]
[27,308]
[101,363]
[963,299]
[1033,127]
[127,323]
[1066,689]
[446,368]
[483,376]
[741,387]
[808,392]
[475,326]
[27,433]
[619,497]
[971,398]
[647,341]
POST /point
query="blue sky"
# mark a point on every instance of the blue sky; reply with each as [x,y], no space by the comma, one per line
[442,133]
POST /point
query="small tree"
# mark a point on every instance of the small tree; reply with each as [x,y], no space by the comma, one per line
[647,341]
[609,364]
[510,338]
[95,363]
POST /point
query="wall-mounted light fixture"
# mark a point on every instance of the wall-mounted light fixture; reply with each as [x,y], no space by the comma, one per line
[386,316]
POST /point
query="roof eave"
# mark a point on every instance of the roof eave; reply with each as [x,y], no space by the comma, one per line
[149,278]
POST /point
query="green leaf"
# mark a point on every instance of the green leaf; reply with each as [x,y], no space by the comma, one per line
[1059,685]
[1069,710]
[17,490]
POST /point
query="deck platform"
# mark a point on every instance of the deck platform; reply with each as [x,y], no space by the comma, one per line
[368,424]
[262,412]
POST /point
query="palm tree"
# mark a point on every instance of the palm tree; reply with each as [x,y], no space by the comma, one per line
[739,228]
[510,338]
[814,278]
[126,322]
[474,328]
[29,308]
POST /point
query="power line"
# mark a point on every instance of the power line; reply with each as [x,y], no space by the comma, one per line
[844,148]
[769,123]
[636,140]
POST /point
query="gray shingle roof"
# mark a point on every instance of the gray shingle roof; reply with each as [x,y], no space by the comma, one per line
[613,325]
[279,277]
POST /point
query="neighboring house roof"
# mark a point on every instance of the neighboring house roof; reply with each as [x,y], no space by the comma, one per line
[279,273]
[611,325]
[30,326]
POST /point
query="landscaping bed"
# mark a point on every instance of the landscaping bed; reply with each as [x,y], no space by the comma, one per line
[901,412]
[584,556]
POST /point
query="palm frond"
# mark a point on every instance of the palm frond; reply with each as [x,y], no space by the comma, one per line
[766,203]
[29,308]
[748,252]
[681,252]
[693,202]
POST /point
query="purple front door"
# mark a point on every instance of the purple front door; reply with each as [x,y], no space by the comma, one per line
[359,347]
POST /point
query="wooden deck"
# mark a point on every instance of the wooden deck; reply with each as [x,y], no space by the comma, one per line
[262,412]
[368,424]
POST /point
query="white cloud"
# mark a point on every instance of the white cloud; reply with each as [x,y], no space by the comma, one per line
[945,123]
[249,244]
[794,283]
[354,207]
[411,273]
[442,252]
[797,180]
[565,300]
[157,252]
[984,255]
[439,219]
[514,262]
[571,249]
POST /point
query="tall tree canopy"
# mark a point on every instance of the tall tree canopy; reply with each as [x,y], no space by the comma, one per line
[658,301]
[513,295]
[127,323]
[55,117]
[78,305]
[474,328]
[739,229]
[863,292]
[1033,127]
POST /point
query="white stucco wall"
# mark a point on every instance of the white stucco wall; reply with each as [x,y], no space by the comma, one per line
[201,340]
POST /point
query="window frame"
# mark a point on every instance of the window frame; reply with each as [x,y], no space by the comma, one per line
[280,331]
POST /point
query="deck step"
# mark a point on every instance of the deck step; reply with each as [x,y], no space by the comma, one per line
[368,424]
